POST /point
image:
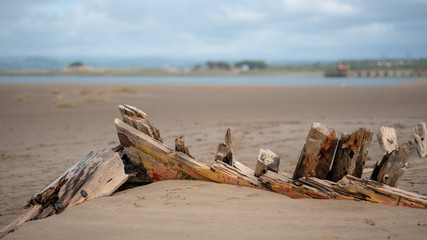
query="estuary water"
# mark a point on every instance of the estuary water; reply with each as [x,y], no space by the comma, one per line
[287,80]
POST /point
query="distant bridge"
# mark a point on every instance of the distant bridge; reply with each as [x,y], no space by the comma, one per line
[377,73]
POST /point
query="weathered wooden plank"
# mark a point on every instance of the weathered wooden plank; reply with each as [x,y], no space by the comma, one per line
[132,139]
[387,138]
[363,153]
[392,166]
[267,160]
[420,137]
[317,153]
[225,151]
[99,174]
[293,188]
[351,150]
[139,119]
[138,123]
[180,146]
[31,214]
[372,191]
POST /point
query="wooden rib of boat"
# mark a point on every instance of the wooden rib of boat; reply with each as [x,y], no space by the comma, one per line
[163,162]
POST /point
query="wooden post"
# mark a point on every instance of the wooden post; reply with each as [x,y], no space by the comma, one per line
[180,146]
[267,160]
[363,153]
[97,175]
[420,136]
[387,139]
[225,151]
[316,155]
[351,154]
[392,166]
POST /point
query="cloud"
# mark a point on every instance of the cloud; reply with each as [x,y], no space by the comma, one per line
[327,7]
[375,28]
[240,14]
[212,29]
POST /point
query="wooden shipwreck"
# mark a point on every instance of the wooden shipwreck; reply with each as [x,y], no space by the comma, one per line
[329,167]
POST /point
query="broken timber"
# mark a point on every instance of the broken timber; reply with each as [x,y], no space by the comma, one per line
[420,137]
[99,174]
[316,155]
[267,160]
[162,163]
[387,138]
[392,166]
[351,154]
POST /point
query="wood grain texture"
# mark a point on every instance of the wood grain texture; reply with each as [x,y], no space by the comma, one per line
[267,160]
[392,166]
[317,153]
[97,175]
[224,151]
[387,139]
[420,137]
[180,146]
[351,154]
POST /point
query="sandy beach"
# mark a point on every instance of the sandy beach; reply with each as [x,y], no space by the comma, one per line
[46,128]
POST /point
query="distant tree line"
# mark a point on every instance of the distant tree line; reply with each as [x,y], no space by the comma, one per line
[218,65]
[76,64]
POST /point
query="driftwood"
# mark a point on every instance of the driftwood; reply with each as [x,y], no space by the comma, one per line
[139,120]
[267,160]
[363,152]
[392,166]
[420,137]
[316,155]
[162,162]
[387,138]
[180,146]
[224,151]
[99,174]
[351,154]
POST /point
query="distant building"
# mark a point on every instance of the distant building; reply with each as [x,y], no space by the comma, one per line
[244,68]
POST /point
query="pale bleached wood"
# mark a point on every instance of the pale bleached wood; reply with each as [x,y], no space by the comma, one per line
[387,138]
[317,153]
[138,123]
[139,120]
[98,174]
[420,137]
[392,166]
[32,213]
[267,160]
[180,146]
[351,154]
[225,151]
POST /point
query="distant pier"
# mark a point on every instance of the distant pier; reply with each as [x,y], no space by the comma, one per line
[377,73]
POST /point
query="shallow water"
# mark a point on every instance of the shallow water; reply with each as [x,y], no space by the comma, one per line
[291,80]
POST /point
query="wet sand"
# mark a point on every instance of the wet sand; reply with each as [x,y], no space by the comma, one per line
[46,128]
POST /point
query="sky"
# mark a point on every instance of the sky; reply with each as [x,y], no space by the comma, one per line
[219,29]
